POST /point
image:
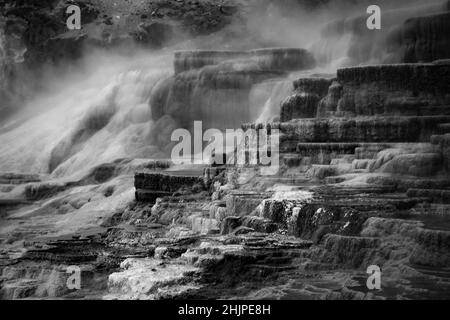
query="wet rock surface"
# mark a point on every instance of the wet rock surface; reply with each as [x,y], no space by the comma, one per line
[309,232]
[419,42]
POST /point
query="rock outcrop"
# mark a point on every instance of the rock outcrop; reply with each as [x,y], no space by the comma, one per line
[150,186]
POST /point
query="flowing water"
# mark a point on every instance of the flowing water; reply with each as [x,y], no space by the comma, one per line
[98,115]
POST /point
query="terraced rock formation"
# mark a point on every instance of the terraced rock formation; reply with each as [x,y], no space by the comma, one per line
[363,180]
[357,186]
[223,79]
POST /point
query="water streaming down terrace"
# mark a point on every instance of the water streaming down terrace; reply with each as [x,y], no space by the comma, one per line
[217,87]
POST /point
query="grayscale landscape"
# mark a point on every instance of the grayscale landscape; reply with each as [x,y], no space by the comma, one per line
[89,185]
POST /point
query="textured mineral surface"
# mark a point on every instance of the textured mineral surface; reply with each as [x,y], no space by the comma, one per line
[364,148]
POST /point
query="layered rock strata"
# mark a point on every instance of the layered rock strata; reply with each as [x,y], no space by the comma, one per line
[150,186]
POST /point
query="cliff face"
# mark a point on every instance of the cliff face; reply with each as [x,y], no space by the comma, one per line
[422,39]
[393,89]
[41,25]
[276,60]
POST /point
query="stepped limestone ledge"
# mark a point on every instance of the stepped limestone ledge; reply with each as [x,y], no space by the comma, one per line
[276,59]
[375,129]
[400,90]
[151,185]
[150,279]
[215,85]
[364,179]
